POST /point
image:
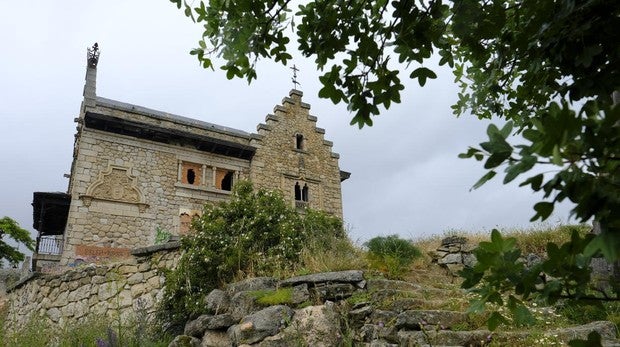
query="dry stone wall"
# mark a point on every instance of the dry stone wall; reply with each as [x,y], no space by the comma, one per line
[113,290]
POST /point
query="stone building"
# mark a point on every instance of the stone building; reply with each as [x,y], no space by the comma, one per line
[136,170]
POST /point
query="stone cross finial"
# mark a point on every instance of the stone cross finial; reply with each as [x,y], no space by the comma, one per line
[294,79]
[92,55]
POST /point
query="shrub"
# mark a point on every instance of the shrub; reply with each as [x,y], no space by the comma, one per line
[255,233]
[391,254]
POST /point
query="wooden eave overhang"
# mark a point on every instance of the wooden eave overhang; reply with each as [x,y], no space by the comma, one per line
[156,133]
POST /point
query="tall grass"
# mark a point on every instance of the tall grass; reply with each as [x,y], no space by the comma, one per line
[95,331]
[529,240]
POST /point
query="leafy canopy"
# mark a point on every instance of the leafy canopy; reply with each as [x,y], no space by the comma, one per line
[10,228]
[546,68]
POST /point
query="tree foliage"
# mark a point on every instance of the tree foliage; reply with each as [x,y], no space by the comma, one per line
[255,233]
[10,228]
[546,69]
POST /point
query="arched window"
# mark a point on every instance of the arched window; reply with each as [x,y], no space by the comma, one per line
[297,192]
[191,176]
[299,142]
[185,223]
[304,193]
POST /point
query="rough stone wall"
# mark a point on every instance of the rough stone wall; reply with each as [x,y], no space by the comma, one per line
[114,290]
[160,196]
[278,164]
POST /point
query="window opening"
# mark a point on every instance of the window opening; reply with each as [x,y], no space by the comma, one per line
[297,192]
[191,173]
[304,193]
[224,179]
[185,223]
[191,176]
[227,181]
[299,141]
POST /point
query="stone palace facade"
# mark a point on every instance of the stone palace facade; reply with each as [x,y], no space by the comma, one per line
[136,170]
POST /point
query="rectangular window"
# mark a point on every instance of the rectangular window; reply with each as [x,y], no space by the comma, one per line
[191,173]
[224,179]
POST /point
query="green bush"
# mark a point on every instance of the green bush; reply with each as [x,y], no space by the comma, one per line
[391,254]
[255,233]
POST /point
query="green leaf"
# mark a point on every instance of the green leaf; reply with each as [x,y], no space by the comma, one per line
[422,74]
[543,210]
[483,180]
[607,244]
[557,157]
[496,159]
[520,313]
[495,319]
[534,181]
[594,340]
[506,129]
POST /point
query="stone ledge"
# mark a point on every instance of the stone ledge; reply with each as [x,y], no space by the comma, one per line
[144,251]
[23,281]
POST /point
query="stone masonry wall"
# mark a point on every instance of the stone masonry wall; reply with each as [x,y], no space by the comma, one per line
[159,196]
[113,290]
[278,164]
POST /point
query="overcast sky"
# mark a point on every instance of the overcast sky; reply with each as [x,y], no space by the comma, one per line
[406,177]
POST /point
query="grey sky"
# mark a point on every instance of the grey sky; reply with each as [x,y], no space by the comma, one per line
[406,177]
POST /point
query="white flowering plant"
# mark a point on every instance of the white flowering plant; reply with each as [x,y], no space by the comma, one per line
[254,233]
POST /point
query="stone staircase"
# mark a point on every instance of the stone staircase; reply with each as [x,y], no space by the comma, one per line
[349,309]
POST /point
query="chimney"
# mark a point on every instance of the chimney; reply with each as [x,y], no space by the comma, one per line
[90,86]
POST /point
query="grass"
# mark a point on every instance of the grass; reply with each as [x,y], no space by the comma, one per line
[280,296]
[96,331]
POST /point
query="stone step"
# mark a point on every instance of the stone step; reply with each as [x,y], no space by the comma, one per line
[422,293]
[606,329]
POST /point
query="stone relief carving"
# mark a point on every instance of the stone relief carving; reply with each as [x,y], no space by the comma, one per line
[115,184]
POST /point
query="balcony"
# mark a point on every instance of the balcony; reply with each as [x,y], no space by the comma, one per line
[49,248]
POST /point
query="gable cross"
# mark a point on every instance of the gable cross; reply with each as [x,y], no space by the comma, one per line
[294,79]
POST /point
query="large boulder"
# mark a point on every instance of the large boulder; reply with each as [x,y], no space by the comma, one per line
[251,284]
[317,326]
[418,319]
[198,326]
[218,301]
[349,276]
[215,338]
[185,341]
[255,327]
[242,304]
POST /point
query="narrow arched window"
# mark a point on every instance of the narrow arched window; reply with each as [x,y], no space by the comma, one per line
[299,141]
[304,193]
[191,176]
[297,192]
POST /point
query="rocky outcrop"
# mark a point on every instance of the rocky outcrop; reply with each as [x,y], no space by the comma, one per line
[454,254]
[342,308]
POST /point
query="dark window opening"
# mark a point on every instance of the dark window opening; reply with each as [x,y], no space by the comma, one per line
[191,176]
[299,141]
[304,193]
[297,192]
[227,181]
